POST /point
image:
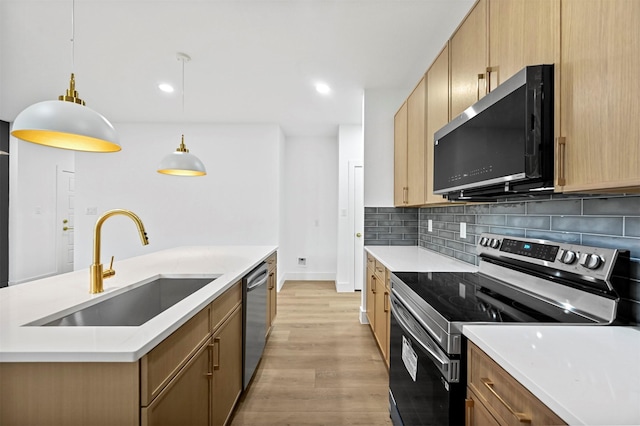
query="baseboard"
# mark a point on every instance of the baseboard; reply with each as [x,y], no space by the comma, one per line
[344,287]
[363,316]
[309,276]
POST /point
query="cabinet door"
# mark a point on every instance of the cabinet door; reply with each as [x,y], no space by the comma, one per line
[272,294]
[400,157]
[476,413]
[371,298]
[227,368]
[521,33]
[600,88]
[437,114]
[380,329]
[185,400]
[416,130]
[468,60]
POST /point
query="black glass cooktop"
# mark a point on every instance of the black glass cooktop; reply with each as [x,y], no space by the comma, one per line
[473,297]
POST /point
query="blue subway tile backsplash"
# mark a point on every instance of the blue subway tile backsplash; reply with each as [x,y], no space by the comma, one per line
[597,220]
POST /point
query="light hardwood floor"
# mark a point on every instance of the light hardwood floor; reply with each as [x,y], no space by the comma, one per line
[320,365]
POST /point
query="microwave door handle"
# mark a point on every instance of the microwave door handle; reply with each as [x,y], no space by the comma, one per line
[395,309]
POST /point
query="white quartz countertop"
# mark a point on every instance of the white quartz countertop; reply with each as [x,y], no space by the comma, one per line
[417,259]
[54,296]
[588,375]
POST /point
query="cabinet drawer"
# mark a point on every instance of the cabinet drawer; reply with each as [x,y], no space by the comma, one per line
[381,272]
[225,303]
[272,262]
[505,398]
[164,361]
[371,261]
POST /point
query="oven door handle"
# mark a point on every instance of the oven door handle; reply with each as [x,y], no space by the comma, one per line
[406,306]
[395,309]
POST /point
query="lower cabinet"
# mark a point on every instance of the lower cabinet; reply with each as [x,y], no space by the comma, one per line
[272,291]
[226,379]
[189,389]
[187,384]
[378,304]
[494,397]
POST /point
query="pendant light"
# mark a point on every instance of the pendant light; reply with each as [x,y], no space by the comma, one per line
[181,162]
[66,123]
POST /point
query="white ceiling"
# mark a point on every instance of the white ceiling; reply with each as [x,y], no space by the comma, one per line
[253,61]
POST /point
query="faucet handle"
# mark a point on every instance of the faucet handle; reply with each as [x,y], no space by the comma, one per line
[109,272]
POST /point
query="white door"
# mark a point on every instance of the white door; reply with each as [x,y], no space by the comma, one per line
[356,204]
[64,220]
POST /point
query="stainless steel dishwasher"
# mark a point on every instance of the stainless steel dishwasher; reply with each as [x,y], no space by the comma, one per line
[254,319]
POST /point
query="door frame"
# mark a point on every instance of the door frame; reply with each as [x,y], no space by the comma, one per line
[356,261]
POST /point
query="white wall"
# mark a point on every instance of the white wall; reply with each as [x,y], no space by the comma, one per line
[380,105]
[350,148]
[310,206]
[237,202]
[32,209]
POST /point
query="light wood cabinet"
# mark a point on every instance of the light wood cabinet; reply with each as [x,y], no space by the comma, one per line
[196,372]
[468,60]
[226,379]
[164,362]
[521,33]
[272,291]
[599,148]
[409,149]
[378,303]
[400,185]
[496,40]
[495,397]
[437,79]
[194,377]
[416,132]
[371,290]
[185,399]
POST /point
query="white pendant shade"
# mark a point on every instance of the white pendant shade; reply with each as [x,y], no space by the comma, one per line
[181,164]
[66,125]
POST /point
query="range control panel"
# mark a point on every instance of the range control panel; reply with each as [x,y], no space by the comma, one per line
[586,261]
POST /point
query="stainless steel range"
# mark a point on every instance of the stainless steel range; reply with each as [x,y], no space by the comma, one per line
[519,280]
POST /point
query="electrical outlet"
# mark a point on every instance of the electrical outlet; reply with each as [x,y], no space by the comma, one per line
[302,261]
[463,230]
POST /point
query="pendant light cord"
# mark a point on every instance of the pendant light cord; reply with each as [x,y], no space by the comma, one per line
[73,35]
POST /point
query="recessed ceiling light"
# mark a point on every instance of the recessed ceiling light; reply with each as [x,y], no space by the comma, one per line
[323,88]
[165,87]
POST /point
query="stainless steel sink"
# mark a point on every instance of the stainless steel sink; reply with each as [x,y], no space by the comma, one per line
[133,307]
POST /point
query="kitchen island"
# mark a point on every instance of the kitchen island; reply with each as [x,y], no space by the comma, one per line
[587,375]
[169,365]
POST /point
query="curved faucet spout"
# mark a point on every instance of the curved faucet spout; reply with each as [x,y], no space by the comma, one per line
[96,269]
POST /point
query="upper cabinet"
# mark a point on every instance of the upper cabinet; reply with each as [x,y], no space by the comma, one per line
[437,114]
[409,150]
[416,131]
[496,40]
[468,60]
[400,157]
[521,33]
[594,47]
[599,144]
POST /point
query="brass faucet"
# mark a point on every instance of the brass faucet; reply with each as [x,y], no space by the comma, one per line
[96,272]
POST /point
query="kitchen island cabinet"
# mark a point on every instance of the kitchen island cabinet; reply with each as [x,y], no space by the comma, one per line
[496,398]
[272,291]
[566,368]
[184,364]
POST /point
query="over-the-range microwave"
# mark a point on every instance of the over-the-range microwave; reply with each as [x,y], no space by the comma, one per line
[502,145]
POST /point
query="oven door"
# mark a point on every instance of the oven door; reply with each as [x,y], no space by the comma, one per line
[426,386]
